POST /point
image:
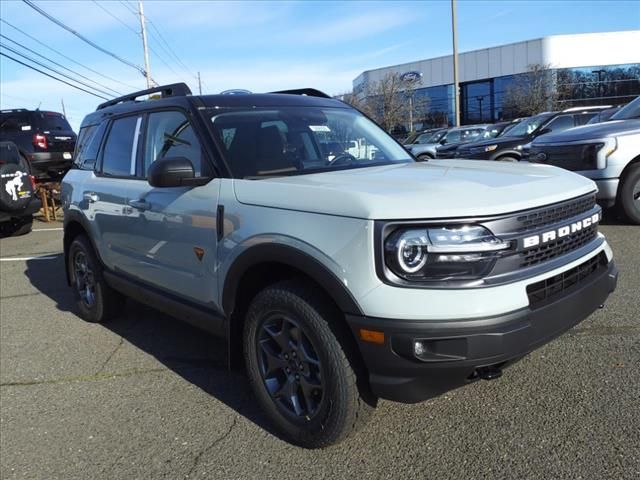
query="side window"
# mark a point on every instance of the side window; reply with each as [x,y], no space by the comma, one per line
[583,118]
[87,146]
[118,157]
[560,123]
[15,122]
[169,134]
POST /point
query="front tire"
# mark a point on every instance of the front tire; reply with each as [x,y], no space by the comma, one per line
[507,158]
[299,369]
[97,302]
[424,158]
[629,196]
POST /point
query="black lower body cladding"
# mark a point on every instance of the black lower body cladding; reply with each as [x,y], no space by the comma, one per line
[454,353]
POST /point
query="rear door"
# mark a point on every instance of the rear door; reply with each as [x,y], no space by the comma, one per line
[104,195]
[171,234]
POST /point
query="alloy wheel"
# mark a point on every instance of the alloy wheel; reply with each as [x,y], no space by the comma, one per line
[85,279]
[290,367]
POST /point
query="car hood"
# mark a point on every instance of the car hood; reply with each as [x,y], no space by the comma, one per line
[421,190]
[595,131]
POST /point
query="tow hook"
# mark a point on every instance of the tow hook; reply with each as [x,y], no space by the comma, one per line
[489,373]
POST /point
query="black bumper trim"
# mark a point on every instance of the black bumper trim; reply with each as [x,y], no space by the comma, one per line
[455,349]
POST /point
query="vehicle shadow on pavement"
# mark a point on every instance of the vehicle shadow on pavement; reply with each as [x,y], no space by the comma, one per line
[198,357]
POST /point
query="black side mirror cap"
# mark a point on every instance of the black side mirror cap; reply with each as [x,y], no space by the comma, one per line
[171,172]
[543,131]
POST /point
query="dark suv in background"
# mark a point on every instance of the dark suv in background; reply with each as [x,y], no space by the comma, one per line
[45,139]
[513,144]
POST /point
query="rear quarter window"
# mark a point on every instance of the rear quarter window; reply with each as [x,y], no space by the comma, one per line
[88,146]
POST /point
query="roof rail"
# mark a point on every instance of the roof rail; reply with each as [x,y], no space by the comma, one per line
[172,90]
[14,110]
[580,109]
[309,92]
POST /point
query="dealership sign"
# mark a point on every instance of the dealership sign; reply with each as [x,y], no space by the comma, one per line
[412,76]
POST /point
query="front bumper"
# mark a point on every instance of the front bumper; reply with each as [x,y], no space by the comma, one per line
[458,350]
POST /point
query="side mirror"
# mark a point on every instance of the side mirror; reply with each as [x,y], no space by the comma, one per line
[443,141]
[543,131]
[171,172]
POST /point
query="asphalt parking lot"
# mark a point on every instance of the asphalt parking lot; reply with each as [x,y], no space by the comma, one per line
[149,397]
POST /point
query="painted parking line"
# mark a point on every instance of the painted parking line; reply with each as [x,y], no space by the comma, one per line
[57,229]
[24,259]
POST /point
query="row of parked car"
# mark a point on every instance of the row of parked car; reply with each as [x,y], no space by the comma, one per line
[601,143]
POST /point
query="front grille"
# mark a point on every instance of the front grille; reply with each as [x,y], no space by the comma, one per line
[550,288]
[541,217]
[570,157]
[554,249]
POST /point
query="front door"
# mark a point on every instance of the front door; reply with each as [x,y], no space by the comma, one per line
[172,230]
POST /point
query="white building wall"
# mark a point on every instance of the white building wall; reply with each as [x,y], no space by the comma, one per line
[559,51]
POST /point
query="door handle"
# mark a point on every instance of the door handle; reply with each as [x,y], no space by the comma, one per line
[91,197]
[139,204]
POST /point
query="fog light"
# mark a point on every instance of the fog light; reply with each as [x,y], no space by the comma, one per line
[419,349]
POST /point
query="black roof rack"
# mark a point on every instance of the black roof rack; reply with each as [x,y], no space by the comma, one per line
[309,92]
[173,90]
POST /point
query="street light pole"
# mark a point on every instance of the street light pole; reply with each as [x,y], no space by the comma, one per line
[480,98]
[456,90]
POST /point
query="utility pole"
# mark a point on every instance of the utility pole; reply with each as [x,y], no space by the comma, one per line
[456,88]
[199,84]
[143,27]
[64,112]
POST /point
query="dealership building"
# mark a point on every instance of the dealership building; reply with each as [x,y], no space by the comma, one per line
[585,69]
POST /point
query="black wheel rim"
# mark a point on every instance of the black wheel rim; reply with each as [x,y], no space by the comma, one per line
[85,279]
[290,367]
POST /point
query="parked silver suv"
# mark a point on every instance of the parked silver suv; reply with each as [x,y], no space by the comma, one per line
[341,269]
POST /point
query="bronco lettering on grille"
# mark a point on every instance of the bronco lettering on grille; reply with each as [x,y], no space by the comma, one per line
[545,237]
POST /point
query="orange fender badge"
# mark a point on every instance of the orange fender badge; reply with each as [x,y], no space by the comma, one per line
[199,251]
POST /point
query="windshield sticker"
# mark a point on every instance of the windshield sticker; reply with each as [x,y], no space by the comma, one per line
[25,128]
[319,128]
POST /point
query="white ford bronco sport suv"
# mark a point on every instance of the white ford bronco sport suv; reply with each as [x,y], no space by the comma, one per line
[340,277]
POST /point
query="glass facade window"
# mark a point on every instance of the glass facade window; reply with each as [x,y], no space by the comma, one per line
[476,102]
[598,85]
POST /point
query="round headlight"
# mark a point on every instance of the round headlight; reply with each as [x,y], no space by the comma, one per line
[412,252]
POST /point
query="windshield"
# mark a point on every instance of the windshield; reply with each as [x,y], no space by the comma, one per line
[278,141]
[527,126]
[631,110]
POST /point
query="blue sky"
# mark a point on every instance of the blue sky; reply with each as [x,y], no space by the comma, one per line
[266,45]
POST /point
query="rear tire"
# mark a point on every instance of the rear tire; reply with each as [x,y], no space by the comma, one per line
[629,194]
[299,369]
[25,226]
[97,302]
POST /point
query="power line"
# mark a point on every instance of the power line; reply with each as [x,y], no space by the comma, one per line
[128,7]
[170,50]
[83,38]
[51,76]
[63,66]
[116,17]
[65,56]
[26,57]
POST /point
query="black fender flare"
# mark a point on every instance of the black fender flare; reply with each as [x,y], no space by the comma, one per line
[292,257]
[507,153]
[71,217]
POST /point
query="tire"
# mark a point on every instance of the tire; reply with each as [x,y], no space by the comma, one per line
[24,226]
[629,194]
[97,302]
[507,158]
[333,405]
[424,157]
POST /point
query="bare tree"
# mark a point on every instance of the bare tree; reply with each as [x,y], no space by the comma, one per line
[531,93]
